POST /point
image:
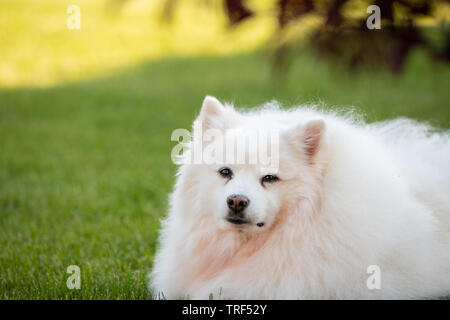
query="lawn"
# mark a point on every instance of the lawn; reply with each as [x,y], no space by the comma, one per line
[85,165]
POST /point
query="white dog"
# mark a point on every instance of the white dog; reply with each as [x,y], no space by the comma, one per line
[353,211]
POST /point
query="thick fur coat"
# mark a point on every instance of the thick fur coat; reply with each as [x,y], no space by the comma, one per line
[351,200]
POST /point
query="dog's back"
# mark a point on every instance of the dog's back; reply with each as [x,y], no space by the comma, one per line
[422,155]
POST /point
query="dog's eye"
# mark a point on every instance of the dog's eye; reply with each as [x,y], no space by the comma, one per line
[226,172]
[269,179]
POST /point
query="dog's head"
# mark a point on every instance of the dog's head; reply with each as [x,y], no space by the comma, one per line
[254,165]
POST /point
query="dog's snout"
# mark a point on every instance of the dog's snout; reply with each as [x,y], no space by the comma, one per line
[237,202]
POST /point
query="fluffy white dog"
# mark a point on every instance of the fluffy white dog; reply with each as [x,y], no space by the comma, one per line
[352,211]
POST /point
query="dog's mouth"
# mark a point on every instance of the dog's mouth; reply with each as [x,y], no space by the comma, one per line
[237,221]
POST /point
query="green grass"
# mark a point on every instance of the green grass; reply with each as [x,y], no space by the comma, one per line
[85,167]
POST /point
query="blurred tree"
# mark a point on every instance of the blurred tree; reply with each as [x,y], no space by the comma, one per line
[345,36]
[236,11]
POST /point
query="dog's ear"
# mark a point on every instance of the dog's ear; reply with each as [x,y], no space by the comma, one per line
[215,115]
[308,137]
[212,113]
[313,135]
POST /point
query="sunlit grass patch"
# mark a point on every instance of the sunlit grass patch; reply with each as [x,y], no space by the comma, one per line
[39,50]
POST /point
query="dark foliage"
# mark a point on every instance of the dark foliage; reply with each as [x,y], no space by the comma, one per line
[347,39]
[236,11]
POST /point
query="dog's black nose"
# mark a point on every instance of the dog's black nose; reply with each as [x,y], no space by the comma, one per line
[237,202]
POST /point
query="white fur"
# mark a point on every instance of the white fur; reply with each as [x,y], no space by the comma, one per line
[373,195]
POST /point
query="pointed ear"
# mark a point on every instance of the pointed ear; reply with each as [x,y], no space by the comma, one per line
[308,137]
[312,136]
[212,113]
